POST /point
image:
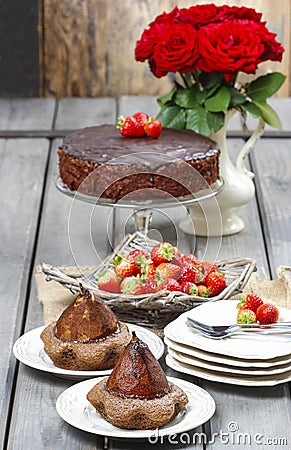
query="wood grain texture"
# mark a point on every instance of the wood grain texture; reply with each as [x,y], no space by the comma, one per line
[89,45]
[26,113]
[71,233]
[19,205]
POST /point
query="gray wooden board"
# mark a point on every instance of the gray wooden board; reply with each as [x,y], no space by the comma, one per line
[22,169]
[39,391]
[54,247]
[252,410]
[272,163]
[26,114]
[75,113]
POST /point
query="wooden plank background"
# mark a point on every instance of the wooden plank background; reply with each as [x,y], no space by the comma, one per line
[88,45]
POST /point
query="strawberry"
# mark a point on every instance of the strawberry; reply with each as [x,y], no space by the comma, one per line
[141,117]
[165,271]
[148,270]
[208,266]
[170,285]
[130,127]
[192,259]
[250,301]
[138,252]
[190,273]
[132,286]
[189,288]
[124,266]
[108,281]
[215,282]
[153,128]
[246,316]
[163,252]
[203,291]
[140,257]
[150,285]
[267,313]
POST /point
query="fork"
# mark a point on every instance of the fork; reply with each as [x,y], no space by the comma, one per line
[219,331]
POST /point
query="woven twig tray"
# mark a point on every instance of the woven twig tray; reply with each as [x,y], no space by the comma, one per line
[156,309]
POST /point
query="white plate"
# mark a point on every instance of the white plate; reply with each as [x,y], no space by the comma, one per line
[29,350]
[222,377]
[224,360]
[251,371]
[73,406]
[223,312]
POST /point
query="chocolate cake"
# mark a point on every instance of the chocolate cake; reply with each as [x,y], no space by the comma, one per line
[99,161]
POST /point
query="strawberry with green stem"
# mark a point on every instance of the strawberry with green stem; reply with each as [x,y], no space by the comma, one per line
[108,281]
[125,266]
[215,282]
[132,286]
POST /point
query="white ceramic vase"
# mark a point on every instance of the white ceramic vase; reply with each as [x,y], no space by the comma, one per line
[218,216]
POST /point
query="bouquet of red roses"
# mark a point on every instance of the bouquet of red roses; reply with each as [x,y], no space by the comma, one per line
[207,46]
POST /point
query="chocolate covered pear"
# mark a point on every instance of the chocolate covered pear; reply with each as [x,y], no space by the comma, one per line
[137,394]
[138,373]
[87,335]
[87,318]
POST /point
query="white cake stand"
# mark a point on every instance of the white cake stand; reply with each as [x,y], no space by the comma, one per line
[143,209]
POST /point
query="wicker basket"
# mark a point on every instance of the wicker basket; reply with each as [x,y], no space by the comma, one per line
[158,309]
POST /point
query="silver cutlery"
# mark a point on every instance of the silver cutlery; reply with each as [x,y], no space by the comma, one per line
[281,329]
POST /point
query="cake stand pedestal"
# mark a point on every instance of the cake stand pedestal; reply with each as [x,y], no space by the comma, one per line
[143,209]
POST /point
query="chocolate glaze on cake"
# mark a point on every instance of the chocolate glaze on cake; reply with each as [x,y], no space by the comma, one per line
[178,162]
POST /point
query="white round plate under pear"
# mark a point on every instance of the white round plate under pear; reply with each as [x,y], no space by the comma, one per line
[223,377]
[29,350]
[224,312]
[73,406]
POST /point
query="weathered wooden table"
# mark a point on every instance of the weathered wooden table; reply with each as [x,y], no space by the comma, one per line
[34,220]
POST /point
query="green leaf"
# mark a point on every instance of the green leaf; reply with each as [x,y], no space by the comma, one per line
[265,86]
[186,98]
[201,96]
[268,114]
[219,101]
[215,120]
[197,121]
[167,98]
[172,117]
[252,109]
[209,80]
[237,98]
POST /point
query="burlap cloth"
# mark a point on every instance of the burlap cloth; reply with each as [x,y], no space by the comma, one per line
[55,298]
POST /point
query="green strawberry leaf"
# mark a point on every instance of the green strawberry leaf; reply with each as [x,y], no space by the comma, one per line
[219,101]
[268,114]
[265,86]
[197,121]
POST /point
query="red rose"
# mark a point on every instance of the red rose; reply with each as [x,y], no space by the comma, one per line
[229,47]
[238,12]
[198,15]
[273,50]
[177,50]
[145,47]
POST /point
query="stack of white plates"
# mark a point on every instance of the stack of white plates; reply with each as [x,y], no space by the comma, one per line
[245,360]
